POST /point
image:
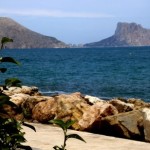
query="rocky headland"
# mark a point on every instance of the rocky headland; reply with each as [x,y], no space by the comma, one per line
[26,38]
[126,34]
[116,117]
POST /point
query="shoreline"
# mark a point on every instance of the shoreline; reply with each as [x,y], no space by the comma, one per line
[116,117]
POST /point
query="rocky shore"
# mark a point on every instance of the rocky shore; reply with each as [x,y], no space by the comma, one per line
[117,117]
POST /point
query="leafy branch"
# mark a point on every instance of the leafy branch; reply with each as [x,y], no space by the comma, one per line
[11,135]
[65,126]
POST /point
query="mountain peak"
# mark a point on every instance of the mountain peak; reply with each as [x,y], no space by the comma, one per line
[24,37]
[126,34]
[123,27]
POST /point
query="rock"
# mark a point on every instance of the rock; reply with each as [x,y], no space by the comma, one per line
[122,106]
[146,122]
[92,99]
[72,107]
[45,110]
[19,98]
[126,119]
[25,104]
[138,103]
[94,114]
[28,105]
[125,125]
[126,34]
[106,109]
[24,89]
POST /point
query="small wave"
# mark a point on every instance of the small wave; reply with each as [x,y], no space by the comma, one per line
[52,93]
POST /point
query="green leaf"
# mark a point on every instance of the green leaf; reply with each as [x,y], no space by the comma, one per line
[9,60]
[5,40]
[8,139]
[29,126]
[3,99]
[3,70]
[19,137]
[76,136]
[69,123]
[60,123]
[11,104]
[12,82]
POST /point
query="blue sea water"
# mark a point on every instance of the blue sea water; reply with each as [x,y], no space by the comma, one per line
[102,72]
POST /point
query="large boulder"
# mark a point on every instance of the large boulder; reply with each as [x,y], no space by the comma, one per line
[45,110]
[106,109]
[71,107]
[19,98]
[146,122]
[93,115]
[75,107]
[125,125]
[25,103]
[122,106]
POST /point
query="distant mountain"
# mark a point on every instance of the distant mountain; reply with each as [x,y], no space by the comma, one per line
[126,34]
[25,38]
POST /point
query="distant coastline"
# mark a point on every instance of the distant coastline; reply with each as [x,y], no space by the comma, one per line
[126,35]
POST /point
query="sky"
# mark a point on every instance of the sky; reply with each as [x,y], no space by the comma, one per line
[76,21]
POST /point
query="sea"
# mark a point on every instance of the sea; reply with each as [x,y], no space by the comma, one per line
[106,73]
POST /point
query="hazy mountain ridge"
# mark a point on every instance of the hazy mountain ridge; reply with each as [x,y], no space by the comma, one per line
[126,34]
[26,38]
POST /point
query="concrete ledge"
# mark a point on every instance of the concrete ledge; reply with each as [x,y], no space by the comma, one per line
[48,136]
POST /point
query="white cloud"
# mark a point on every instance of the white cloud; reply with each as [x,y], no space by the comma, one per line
[55,13]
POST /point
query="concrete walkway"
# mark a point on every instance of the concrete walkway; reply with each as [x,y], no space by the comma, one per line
[48,136]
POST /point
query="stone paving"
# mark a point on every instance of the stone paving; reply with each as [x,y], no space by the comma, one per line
[48,136]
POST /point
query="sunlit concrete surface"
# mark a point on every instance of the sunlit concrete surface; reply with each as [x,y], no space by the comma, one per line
[47,136]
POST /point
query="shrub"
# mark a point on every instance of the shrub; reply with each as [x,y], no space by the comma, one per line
[65,126]
[11,135]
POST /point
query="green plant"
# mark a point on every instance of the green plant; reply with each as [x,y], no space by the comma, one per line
[11,135]
[65,126]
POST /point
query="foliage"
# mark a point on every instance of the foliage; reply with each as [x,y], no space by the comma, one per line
[11,135]
[65,126]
